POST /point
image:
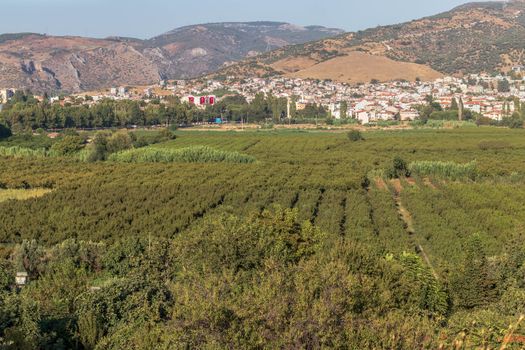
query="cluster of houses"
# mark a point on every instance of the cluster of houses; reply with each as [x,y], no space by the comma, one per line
[367,103]
[374,102]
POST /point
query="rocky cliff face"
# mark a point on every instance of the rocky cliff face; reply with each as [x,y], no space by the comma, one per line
[72,64]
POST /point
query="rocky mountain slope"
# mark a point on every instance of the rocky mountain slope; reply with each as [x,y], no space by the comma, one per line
[472,38]
[71,64]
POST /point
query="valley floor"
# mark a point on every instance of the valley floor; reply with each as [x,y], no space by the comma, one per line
[406,239]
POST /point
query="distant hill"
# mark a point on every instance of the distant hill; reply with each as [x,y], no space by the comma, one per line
[472,38]
[72,64]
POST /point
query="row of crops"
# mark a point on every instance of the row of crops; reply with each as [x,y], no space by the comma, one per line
[319,174]
[308,246]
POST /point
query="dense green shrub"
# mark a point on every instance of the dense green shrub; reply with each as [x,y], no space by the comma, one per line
[98,150]
[5,132]
[513,122]
[68,145]
[119,142]
[150,138]
[195,154]
[28,140]
[399,169]
[355,135]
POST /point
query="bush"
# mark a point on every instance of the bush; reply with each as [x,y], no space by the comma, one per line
[167,134]
[151,138]
[5,132]
[27,140]
[355,135]
[118,142]
[399,169]
[98,150]
[68,145]
[514,122]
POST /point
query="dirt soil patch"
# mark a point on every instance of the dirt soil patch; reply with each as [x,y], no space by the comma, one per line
[398,187]
[380,184]
[429,183]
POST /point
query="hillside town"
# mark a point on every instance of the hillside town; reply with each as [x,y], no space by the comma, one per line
[493,97]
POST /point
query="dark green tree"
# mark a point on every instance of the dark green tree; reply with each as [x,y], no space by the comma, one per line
[503,85]
[68,145]
[474,286]
[344,109]
[5,132]
[454,105]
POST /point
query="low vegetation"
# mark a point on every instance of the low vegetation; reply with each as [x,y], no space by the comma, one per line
[303,248]
[493,145]
[195,154]
[445,170]
[355,135]
[22,152]
[398,169]
[80,147]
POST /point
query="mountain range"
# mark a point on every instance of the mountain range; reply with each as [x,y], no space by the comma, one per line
[472,38]
[72,64]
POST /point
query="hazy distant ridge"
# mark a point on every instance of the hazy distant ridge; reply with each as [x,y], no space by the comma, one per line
[49,63]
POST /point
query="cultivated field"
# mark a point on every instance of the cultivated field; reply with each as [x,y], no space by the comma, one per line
[419,211]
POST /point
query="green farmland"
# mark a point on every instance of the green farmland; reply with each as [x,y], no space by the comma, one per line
[409,239]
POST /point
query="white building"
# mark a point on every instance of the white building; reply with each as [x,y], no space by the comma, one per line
[6,94]
[122,91]
[409,115]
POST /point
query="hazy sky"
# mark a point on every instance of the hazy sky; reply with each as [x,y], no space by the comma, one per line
[147,18]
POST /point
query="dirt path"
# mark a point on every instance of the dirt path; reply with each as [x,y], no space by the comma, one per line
[427,260]
[398,187]
[411,181]
[429,183]
[405,215]
[381,184]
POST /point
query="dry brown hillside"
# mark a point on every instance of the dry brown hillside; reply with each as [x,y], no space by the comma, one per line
[71,64]
[360,67]
[476,37]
